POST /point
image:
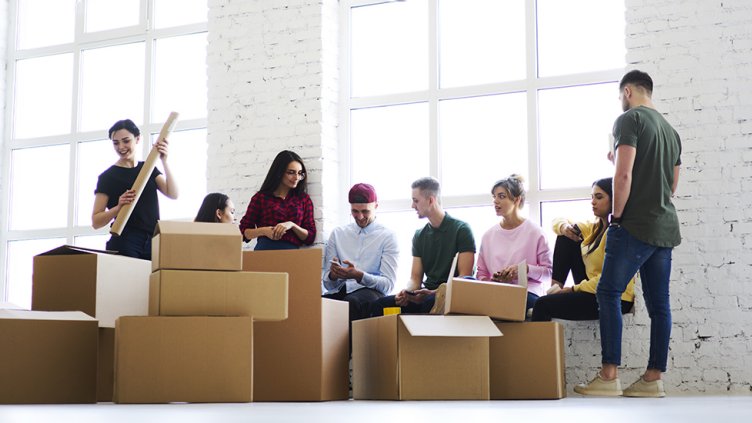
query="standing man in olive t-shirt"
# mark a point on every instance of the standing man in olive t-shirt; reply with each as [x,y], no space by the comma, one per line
[643,230]
[434,248]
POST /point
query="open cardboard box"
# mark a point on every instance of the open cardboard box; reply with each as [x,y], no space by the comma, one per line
[196,246]
[47,357]
[497,300]
[262,295]
[420,357]
[100,284]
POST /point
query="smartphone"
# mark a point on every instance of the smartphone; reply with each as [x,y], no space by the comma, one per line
[577,230]
[410,292]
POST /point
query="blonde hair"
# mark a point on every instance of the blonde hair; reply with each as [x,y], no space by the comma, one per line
[514,184]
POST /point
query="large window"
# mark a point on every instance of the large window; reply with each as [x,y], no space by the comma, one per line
[471,91]
[74,68]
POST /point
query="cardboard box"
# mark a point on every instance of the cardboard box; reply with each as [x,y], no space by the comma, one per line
[262,295]
[100,284]
[47,357]
[105,364]
[303,358]
[528,361]
[183,359]
[419,357]
[196,246]
[497,300]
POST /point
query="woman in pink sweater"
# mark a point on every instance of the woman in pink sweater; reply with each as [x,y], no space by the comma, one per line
[513,240]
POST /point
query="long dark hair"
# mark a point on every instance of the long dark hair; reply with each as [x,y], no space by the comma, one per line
[277,172]
[208,210]
[606,185]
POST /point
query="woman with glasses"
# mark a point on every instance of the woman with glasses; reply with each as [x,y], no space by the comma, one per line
[280,214]
[216,208]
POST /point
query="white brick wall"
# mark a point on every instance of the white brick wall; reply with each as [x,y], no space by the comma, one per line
[273,85]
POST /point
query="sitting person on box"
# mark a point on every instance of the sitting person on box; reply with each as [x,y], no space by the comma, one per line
[360,264]
[513,240]
[216,208]
[434,248]
[580,248]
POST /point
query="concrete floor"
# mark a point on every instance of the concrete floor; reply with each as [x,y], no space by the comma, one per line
[684,409]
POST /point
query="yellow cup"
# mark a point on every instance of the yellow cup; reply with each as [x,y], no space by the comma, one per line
[391,310]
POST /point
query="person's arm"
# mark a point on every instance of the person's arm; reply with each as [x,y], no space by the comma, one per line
[541,269]
[101,216]
[416,280]
[166,183]
[305,231]
[483,274]
[465,263]
[676,180]
[625,157]
[384,282]
[329,281]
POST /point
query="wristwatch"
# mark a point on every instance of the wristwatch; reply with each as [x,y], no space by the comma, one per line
[613,221]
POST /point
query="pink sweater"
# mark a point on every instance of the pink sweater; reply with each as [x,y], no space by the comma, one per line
[500,248]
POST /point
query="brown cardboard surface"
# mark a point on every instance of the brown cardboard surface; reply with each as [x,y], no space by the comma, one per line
[262,295]
[301,358]
[105,364]
[102,285]
[423,362]
[500,301]
[196,246]
[528,361]
[183,359]
[47,357]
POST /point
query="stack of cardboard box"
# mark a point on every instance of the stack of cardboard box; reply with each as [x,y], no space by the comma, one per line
[196,345]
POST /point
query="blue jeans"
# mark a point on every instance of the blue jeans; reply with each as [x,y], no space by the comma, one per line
[625,255]
[264,243]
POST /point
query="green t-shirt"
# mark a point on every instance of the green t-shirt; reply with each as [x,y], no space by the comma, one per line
[436,248]
[649,214]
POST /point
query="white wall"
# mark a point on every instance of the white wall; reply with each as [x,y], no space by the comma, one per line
[273,85]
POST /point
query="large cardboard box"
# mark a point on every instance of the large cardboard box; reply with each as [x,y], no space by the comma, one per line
[102,285]
[47,357]
[420,357]
[105,364]
[303,358]
[196,246]
[528,361]
[497,300]
[262,295]
[183,359]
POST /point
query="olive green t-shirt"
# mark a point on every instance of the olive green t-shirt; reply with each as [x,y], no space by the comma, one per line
[436,248]
[649,215]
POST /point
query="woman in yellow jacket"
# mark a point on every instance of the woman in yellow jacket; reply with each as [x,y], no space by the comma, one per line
[580,248]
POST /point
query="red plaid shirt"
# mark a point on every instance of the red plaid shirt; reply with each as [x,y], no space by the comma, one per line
[268,210]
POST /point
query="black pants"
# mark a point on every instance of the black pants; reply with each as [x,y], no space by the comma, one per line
[571,306]
[359,301]
[568,258]
[377,307]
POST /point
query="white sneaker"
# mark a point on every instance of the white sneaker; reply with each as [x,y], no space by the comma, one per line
[600,387]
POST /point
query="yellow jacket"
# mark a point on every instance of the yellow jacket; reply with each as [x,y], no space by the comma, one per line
[593,261]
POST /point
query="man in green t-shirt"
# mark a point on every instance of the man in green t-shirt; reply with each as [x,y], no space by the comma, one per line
[434,248]
[642,233]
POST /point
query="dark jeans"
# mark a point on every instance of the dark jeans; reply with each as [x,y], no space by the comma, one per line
[568,258]
[377,307]
[572,306]
[264,243]
[132,243]
[532,299]
[625,255]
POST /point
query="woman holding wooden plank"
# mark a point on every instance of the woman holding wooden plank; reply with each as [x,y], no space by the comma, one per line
[115,190]
[280,214]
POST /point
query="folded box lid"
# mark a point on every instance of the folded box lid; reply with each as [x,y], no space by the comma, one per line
[460,326]
[45,315]
[473,281]
[195,228]
[73,250]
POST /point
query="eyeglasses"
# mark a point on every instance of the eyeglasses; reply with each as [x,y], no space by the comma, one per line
[300,174]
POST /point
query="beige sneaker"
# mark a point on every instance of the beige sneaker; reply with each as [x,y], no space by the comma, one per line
[439,300]
[600,387]
[644,389]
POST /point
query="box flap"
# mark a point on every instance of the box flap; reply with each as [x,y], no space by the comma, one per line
[45,315]
[72,249]
[195,228]
[468,281]
[461,326]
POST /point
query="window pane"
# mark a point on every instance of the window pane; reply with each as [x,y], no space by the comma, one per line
[102,15]
[389,148]
[580,36]
[575,210]
[93,159]
[169,13]
[39,173]
[574,125]
[482,140]
[45,22]
[481,41]
[96,242]
[187,159]
[404,224]
[43,98]
[112,85]
[180,77]
[20,267]
[389,48]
